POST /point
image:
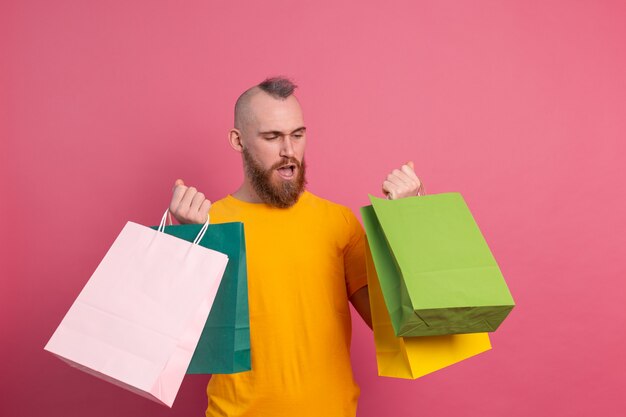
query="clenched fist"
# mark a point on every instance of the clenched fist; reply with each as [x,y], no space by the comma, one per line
[403,183]
[188,205]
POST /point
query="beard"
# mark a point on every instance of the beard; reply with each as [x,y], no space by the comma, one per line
[281,194]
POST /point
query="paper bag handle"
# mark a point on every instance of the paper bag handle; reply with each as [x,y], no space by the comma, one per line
[200,233]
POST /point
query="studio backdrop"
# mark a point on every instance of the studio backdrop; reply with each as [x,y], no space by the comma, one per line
[517,105]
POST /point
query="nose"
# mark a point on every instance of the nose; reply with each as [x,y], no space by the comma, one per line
[286,149]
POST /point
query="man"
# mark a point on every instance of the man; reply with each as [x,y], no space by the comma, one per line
[305,261]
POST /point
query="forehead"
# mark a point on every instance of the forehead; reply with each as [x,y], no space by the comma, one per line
[269,113]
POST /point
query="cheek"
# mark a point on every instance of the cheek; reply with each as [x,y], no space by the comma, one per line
[266,155]
[300,148]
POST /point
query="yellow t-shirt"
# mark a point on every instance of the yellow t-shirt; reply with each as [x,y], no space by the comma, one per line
[304,263]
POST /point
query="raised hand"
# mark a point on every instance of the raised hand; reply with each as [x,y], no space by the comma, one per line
[188,205]
[403,182]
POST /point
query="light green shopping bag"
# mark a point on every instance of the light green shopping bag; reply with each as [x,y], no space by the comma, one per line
[436,271]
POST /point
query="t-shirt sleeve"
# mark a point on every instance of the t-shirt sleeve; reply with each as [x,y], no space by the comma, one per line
[354,254]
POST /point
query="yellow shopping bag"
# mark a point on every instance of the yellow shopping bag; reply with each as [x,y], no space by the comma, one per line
[414,357]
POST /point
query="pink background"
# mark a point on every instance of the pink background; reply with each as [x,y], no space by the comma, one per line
[519,105]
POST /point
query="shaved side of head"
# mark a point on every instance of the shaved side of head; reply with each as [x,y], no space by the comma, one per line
[243,110]
[278,87]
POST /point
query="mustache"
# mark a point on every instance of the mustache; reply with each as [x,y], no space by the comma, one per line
[285,161]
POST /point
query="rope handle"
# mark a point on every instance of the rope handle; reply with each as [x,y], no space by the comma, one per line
[200,233]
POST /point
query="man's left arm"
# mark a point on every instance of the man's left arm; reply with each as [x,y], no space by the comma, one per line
[400,183]
[361,302]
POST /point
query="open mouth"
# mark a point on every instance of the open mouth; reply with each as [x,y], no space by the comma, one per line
[287,171]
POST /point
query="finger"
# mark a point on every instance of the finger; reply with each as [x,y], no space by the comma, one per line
[401,179]
[415,181]
[421,190]
[185,202]
[409,172]
[388,189]
[204,210]
[420,184]
[196,202]
[177,195]
[396,186]
[412,174]
[178,182]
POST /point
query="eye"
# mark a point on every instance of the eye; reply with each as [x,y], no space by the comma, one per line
[298,135]
[271,137]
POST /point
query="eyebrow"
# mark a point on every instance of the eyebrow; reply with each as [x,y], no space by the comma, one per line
[277,132]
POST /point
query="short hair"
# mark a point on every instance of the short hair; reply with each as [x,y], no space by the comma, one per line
[278,87]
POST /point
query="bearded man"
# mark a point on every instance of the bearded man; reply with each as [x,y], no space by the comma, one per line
[306,260]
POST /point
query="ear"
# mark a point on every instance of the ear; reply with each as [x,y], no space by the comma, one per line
[235,140]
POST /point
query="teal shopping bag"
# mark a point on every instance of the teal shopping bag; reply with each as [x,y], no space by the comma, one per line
[224,346]
[436,272]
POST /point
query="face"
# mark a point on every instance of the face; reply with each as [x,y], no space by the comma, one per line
[274,140]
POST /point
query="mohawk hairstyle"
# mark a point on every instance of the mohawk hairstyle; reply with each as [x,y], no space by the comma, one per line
[278,87]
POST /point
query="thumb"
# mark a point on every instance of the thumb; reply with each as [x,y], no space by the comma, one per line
[410,164]
[179,182]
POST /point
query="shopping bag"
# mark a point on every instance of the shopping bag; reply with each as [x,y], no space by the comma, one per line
[436,271]
[138,319]
[413,357]
[224,347]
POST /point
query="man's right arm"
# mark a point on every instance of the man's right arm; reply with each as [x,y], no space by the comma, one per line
[188,205]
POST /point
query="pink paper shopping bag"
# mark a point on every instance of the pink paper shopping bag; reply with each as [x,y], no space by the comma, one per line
[138,319]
